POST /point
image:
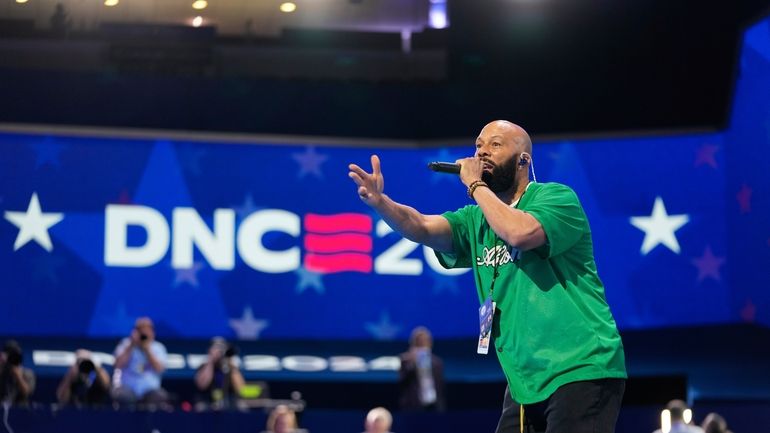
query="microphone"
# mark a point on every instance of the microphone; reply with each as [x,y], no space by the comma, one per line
[445,167]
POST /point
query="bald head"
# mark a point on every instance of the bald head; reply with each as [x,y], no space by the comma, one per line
[511,131]
[506,151]
[143,322]
[144,326]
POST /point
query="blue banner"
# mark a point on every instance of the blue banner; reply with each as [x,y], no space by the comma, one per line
[271,241]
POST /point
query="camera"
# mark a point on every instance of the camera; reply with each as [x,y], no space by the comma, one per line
[143,337]
[231,351]
[226,349]
[86,366]
[13,353]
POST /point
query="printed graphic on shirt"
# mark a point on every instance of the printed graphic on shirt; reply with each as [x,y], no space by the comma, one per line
[502,254]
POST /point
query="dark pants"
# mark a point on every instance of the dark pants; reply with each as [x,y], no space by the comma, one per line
[590,406]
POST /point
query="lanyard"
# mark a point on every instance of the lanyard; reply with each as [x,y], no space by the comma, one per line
[498,254]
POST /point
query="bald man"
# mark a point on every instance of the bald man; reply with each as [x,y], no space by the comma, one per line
[531,251]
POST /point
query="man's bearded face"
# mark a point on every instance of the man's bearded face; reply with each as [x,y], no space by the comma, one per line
[502,177]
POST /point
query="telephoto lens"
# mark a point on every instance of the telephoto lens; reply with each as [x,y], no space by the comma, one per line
[13,353]
[86,366]
[231,351]
[14,358]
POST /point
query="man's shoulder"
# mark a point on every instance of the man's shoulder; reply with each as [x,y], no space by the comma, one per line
[466,208]
[552,192]
[466,212]
[157,345]
[552,188]
[125,341]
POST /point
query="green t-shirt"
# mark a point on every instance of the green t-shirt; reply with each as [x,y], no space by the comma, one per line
[553,325]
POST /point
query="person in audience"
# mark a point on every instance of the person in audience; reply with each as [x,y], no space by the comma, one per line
[676,409]
[219,379]
[139,364]
[17,383]
[378,420]
[421,376]
[282,420]
[86,383]
[714,423]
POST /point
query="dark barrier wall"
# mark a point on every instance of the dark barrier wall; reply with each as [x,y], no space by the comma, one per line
[642,419]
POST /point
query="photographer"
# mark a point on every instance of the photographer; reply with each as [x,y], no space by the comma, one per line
[219,379]
[139,364]
[16,382]
[85,383]
[421,375]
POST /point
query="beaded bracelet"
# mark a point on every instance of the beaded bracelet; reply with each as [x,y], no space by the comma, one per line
[472,187]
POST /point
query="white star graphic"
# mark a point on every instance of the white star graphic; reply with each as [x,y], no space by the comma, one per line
[310,162]
[33,224]
[443,282]
[309,279]
[189,275]
[247,208]
[659,227]
[247,328]
[384,329]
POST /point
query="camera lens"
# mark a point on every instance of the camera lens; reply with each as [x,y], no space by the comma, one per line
[143,337]
[86,366]
[13,352]
[231,351]
[14,358]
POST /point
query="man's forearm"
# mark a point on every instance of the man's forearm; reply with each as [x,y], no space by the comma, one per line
[154,363]
[103,377]
[237,381]
[513,226]
[406,220]
[430,230]
[204,375]
[24,388]
[63,391]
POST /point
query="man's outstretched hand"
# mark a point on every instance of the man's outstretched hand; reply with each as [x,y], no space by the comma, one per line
[370,185]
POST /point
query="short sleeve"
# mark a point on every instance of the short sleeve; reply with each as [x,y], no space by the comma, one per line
[558,210]
[460,257]
[121,346]
[159,351]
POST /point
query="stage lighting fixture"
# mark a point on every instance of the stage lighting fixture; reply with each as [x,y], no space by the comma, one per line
[288,7]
